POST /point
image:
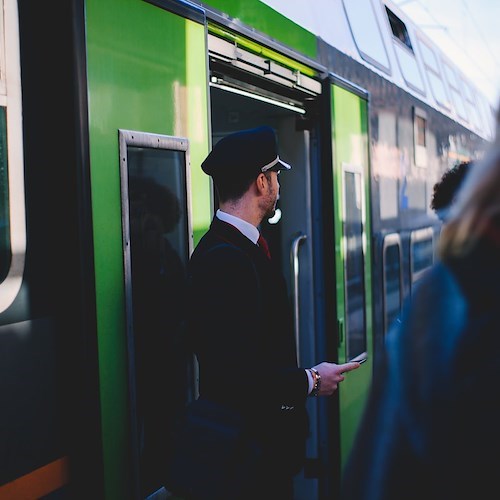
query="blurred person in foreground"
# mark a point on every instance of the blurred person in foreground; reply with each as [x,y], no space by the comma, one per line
[431,426]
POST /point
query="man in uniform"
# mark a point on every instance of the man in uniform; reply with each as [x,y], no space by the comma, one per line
[240,322]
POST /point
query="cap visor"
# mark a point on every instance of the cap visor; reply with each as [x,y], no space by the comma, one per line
[277,164]
[282,165]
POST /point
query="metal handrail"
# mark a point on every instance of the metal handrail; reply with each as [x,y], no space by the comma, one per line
[294,263]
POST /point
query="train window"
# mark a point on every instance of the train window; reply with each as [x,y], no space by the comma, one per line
[487,114]
[157,244]
[490,113]
[434,75]
[470,104]
[420,137]
[4,178]
[421,252]
[12,208]
[366,33]
[420,127]
[3,84]
[398,28]
[392,278]
[404,53]
[454,87]
[4,200]
[482,116]
[353,234]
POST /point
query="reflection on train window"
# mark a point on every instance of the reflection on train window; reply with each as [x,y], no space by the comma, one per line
[434,75]
[421,252]
[5,252]
[471,105]
[366,33]
[354,261]
[420,137]
[156,179]
[487,113]
[454,87]
[154,185]
[392,279]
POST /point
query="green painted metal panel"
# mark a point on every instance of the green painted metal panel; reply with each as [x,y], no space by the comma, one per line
[259,49]
[350,146]
[147,72]
[263,18]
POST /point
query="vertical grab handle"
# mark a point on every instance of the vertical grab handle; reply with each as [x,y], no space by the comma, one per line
[294,263]
[340,329]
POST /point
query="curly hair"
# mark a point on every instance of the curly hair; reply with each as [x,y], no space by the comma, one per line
[446,188]
[476,211]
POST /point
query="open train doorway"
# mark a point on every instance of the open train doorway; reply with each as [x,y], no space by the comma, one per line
[232,112]
[290,232]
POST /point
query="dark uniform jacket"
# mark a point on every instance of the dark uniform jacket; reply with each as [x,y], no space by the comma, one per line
[240,327]
[432,426]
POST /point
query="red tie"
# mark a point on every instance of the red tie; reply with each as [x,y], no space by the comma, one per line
[265,247]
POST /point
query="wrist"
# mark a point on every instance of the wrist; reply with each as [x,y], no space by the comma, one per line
[316,381]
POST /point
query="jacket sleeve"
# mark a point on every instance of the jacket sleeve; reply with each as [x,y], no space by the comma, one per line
[225,304]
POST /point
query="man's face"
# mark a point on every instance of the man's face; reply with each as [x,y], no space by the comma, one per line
[273,193]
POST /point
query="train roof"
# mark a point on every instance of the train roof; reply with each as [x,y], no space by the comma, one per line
[378,35]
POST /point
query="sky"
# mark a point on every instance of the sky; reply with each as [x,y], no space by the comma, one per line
[468,32]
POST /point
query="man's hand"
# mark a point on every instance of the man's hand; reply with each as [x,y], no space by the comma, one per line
[331,374]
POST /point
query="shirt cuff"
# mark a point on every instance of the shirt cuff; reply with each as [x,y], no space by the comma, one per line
[310,381]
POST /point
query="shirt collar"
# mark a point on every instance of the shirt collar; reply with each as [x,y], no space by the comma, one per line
[247,229]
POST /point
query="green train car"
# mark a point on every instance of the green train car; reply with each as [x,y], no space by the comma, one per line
[107,109]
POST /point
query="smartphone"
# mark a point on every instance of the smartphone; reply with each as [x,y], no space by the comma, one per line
[360,358]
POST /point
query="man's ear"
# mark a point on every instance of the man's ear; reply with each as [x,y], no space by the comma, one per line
[261,183]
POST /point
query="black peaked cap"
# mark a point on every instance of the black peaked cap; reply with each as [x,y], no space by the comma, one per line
[245,154]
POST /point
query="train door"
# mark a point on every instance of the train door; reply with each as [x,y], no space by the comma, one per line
[240,100]
[148,119]
[352,254]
